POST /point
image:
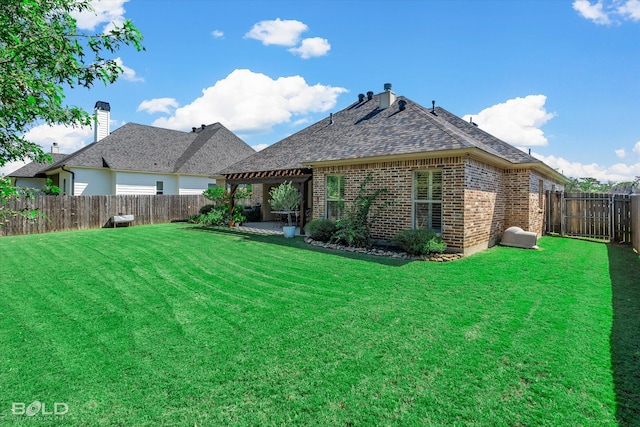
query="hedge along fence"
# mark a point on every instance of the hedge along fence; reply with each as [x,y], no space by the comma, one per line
[83,212]
[635,222]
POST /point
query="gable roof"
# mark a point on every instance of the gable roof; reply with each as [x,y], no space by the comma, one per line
[33,169]
[142,148]
[362,130]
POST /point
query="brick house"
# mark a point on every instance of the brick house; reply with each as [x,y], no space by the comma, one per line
[440,171]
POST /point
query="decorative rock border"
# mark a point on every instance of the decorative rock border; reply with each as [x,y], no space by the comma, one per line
[378,251]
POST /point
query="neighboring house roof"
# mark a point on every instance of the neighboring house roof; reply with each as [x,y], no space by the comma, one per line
[36,169]
[141,148]
[362,130]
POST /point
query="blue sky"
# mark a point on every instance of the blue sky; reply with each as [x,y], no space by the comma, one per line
[561,78]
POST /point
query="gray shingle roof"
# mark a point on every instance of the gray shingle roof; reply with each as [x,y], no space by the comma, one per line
[31,170]
[363,130]
[135,147]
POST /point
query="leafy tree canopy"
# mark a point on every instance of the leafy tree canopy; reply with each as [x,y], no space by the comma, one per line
[42,52]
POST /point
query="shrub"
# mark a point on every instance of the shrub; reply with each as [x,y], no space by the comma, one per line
[420,242]
[355,229]
[321,229]
[206,209]
[214,217]
[218,196]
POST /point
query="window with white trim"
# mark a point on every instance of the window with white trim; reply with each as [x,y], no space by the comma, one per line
[427,200]
[159,187]
[335,196]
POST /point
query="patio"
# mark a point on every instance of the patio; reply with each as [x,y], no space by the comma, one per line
[264,227]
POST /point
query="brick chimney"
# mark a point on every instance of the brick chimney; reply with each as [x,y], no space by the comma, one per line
[103,115]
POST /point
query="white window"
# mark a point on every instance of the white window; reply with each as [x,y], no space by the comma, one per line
[335,196]
[427,200]
[159,187]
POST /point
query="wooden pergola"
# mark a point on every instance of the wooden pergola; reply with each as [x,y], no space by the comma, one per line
[298,176]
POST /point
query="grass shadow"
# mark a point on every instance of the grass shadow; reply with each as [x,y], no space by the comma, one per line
[299,243]
[624,270]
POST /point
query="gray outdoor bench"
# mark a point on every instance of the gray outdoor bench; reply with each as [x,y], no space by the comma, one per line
[122,219]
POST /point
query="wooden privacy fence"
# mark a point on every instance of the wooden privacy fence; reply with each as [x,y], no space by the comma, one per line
[635,221]
[82,212]
[595,215]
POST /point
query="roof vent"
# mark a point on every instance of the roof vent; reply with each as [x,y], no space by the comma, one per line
[330,118]
[203,126]
[370,95]
[387,87]
[360,97]
[402,104]
[193,129]
[433,108]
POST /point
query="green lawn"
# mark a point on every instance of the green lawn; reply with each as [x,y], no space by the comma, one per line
[175,325]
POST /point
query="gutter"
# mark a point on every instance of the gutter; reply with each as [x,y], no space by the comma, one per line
[73,176]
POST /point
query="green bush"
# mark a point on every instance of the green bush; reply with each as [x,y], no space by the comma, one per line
[355,228]
[206,209]
[214,217]
[321,229]
[420,242]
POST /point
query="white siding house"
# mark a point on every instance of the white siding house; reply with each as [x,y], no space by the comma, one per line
[139,159]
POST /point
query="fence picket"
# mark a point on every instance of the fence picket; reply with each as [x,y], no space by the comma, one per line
[595,215]
[82,212]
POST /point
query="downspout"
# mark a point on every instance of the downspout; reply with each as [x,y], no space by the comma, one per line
[73,177]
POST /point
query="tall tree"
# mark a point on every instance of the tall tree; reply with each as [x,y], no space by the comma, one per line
[42,54]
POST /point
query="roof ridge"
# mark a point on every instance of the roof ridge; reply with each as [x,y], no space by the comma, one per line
[198,142]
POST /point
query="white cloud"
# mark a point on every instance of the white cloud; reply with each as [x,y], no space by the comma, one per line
[128,73]
[636,148]
[217,34]
[278,32]
[104,12]
[630,10]
[69,139]
[593,12]
[311,47]
[516,121]
[250,102]
[605,12]
[259,147]
[621,153]
[158,105]
[616,173]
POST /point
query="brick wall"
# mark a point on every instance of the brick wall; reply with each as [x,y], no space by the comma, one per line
[525,207]
[479,200]
[397,177]
[484,205]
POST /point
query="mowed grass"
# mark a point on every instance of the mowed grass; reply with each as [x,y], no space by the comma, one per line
[178,325]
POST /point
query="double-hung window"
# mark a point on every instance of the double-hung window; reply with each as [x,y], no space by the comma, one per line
[427,200]
[335,196]
[159,187]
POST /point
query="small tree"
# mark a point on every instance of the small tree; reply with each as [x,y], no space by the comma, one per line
[42,54]
[285,198]
[355,228]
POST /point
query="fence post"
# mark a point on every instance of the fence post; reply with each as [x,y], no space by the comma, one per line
[635,222]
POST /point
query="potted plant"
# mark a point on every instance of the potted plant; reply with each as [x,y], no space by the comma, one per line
[285,200]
